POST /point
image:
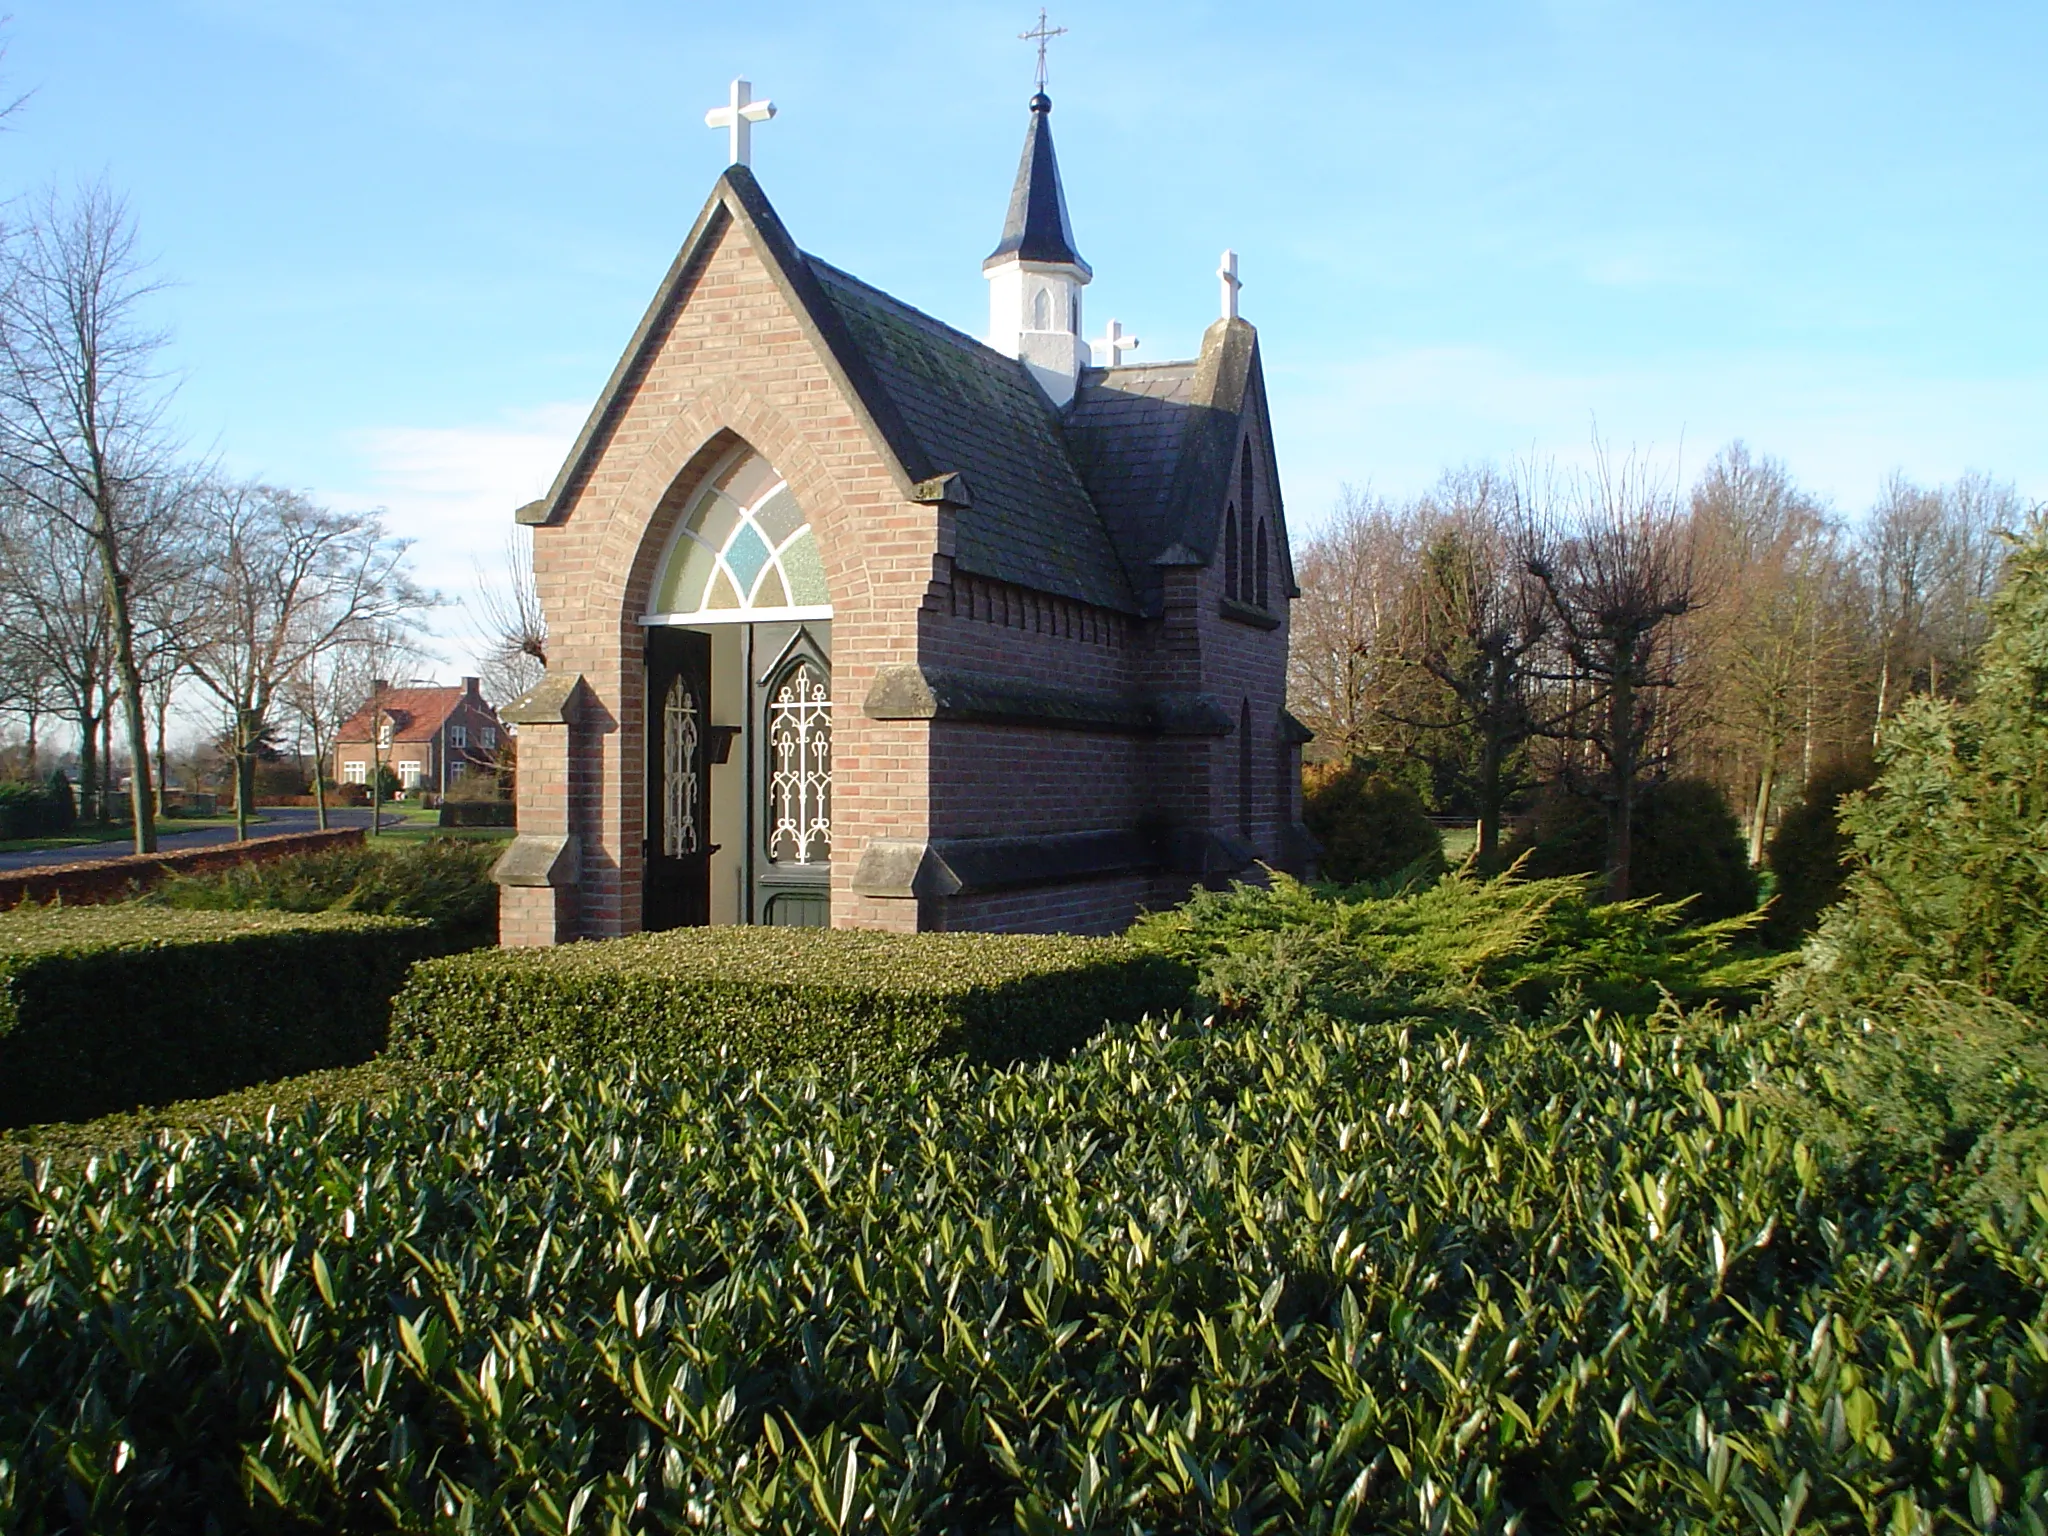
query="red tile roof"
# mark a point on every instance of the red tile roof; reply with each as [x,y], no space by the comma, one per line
[416,714]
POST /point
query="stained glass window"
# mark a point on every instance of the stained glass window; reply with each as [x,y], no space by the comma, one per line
[745,545]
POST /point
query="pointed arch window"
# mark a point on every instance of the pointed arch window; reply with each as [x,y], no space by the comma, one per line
[745,550]
[1259,570]
[1041,311]
[1230,566]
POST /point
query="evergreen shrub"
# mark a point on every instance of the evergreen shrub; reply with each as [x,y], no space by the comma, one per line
[1685,842]
[1809,853]
[1370,826]
[37,808]
[104,1008]
[779,997]
[445,880]
[1417,1277]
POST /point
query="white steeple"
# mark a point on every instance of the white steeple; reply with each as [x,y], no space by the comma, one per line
[1035,276]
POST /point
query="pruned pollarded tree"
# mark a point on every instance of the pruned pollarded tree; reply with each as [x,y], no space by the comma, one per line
[284,581]
[1476,618]
[1349,627]
[1615,558]
[81,416]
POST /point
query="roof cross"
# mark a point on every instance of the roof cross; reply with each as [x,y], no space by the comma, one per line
[1228,273]
[1041,34]
[738,116]
[1107,349]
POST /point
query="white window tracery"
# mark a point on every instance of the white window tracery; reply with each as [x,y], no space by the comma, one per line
[679,787]
[800,768]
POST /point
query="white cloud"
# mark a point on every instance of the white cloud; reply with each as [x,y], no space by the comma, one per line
[452,491]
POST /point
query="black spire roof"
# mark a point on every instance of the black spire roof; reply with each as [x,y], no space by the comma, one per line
[1037,228]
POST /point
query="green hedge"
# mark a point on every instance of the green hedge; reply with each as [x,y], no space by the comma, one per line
[780,997]
[106,1008]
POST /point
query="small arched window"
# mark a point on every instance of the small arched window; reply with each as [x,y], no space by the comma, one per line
[1244,767]
[1230,556]
[1041,311]
[1259,569]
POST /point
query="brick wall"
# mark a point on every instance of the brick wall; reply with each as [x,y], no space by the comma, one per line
[117,879]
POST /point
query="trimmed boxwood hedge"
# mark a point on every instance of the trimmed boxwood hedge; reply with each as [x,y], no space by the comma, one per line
[107,1008]
[780,997]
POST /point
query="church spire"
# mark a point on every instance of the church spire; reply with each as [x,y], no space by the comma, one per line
[1035,275]
[1038,228]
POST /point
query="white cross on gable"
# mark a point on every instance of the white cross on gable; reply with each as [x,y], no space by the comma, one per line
[1228,272]
[1106,350]
[738,117]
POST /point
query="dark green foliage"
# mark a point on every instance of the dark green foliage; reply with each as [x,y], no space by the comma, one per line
[1925,987]
[1687,843]
[1457,946]
[1951,846]
[1809,853]
[1370,826]
[779,997]
[477,813]
[69,1144]
[445,880]
[1413,1277]
[105,1008]
[37,809]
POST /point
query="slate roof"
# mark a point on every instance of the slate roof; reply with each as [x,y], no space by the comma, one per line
[1037,228]
[978,413]
[1088,507]
[1124,432]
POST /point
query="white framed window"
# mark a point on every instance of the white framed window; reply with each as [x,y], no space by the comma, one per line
[456,770]
[355,771]
[409,774]
[488,737]
[458,738]
[384,733]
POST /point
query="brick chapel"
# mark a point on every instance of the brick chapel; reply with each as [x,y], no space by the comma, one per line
[855,619]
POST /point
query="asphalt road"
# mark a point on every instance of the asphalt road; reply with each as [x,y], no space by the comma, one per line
[273,822]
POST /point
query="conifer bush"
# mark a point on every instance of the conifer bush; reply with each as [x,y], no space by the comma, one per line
[1686,844]
[1370,825]
[1809,853]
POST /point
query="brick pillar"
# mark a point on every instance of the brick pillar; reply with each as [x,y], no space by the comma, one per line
[538,875]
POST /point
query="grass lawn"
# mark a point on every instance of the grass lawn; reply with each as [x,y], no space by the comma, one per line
[417,825]
[1458,843]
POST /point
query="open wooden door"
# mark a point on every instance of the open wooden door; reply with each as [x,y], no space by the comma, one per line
[675,889]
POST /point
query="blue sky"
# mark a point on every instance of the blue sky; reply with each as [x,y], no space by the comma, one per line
[406,241]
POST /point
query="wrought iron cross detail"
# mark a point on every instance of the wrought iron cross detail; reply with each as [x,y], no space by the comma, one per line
[1041,34]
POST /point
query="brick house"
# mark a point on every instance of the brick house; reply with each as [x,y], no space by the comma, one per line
[431,738]
[856,619]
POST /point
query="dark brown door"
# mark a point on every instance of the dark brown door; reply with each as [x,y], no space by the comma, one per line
[676,884]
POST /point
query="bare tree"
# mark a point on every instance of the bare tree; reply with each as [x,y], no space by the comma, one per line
[1477,619]
[515,631]
[53,613]
[1616,564]
[81,409]
[284,581]
[1345,646]
[331,684]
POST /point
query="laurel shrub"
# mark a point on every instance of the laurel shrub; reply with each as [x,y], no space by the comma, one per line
[1483,1274]
[105,1008]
